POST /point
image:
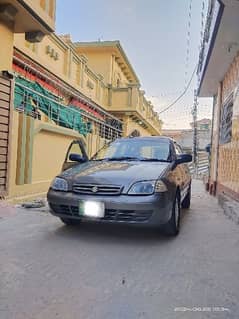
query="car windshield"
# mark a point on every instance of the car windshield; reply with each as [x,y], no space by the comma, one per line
[135,149]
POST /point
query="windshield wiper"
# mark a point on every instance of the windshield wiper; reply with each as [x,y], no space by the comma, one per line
[122,158]
[155,160]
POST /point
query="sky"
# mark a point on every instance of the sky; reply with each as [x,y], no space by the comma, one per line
[155,36]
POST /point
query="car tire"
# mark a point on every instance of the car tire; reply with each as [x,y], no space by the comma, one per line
[70,222]
[173,225]
[187,200]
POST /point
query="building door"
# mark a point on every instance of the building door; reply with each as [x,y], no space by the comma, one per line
[5,103]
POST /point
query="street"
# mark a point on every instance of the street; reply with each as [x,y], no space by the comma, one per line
[100,271]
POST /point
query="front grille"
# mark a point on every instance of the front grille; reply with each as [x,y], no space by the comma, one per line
[65,210]
[113,215]
[127,215]
[94,189]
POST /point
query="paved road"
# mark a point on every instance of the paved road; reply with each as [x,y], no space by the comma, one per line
[48,270]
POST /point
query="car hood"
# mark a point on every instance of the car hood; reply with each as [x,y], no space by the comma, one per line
[114,173]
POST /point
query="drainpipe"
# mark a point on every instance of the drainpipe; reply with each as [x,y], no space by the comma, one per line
[218,111]
[211,141]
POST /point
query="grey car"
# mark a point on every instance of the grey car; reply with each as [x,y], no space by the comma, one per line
[140,180]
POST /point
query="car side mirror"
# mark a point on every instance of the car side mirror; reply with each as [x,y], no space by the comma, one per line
[183,158]
[77,158]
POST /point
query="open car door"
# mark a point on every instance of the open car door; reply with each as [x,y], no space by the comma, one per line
[75,155]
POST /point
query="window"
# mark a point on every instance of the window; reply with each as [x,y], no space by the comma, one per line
[226,123]
[134,133]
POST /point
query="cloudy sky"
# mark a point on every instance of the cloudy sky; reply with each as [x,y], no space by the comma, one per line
[154,35]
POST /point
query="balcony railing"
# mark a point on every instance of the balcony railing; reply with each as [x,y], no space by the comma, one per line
[131,99]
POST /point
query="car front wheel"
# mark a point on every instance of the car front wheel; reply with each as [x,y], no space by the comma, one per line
[173,225]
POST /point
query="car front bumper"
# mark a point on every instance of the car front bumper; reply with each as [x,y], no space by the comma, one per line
[152,210]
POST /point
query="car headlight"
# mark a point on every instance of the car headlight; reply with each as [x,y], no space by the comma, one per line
[147,188]
[59,184]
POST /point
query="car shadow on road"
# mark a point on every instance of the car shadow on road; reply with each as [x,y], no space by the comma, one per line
[115,233]
[93,232]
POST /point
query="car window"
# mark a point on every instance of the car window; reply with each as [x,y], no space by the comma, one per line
[136,148]
[146,151]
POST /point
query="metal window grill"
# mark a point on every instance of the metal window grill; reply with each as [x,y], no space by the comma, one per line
[31,98]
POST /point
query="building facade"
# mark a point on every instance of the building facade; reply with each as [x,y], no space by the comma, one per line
[185,139]
[185,136]
[124,98]
[33,19]
[60,96]
[219,78]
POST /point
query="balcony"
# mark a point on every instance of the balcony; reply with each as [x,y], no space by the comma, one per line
[130,100]
[29,15]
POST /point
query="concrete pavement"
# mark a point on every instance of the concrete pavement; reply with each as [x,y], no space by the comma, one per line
[103,271]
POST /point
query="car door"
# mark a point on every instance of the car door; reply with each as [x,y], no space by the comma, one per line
[184,173]
[76,147]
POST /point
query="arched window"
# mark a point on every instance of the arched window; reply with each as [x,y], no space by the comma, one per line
[134,133]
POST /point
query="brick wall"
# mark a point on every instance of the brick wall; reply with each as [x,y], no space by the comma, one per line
[228,160]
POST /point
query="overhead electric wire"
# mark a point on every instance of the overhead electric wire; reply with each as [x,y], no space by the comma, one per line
[181,95]
[188,42]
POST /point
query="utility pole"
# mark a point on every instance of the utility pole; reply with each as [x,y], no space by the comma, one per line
[195,133]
